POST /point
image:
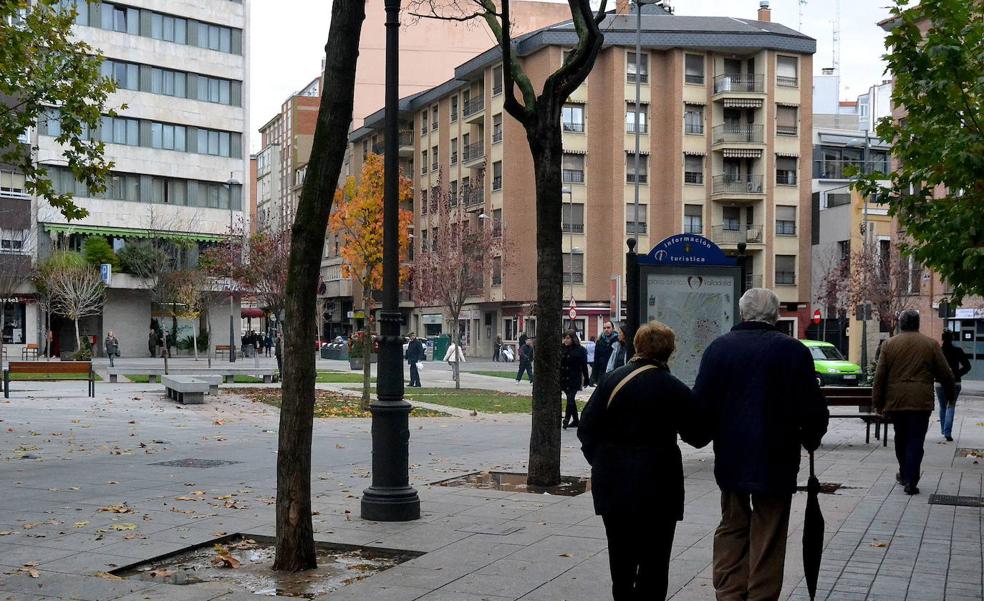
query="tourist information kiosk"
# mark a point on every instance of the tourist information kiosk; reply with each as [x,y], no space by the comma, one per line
[687,282]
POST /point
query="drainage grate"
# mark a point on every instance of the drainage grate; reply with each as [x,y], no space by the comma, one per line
[193,462]
[957,500]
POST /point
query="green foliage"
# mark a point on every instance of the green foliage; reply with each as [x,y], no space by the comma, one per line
[937,190]
[98,251]
[187,343]
[42,65]
[138,258]
[62,259]
[85,352]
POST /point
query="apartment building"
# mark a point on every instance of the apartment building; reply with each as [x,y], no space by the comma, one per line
[17,302]
[725,122]
[179,148]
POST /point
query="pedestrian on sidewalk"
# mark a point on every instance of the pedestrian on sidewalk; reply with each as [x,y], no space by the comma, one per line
[278,352]
[414,354]
[573,374]
[112,344]
[525,360]
[903,392]
[636,467]
[960,366]
[268,344]
[589,348]
[603,350]
[757,391]
[454,356]
[497,349]
[617,358]
[152,342]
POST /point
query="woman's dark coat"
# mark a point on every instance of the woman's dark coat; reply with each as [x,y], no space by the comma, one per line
[631,445]
[573,367]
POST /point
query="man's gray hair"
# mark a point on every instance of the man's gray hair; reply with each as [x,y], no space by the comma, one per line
[759,304]
[909,321]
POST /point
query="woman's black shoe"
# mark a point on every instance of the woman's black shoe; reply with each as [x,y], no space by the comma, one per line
[565,425]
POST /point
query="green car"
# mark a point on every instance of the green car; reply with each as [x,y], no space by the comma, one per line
[832,368]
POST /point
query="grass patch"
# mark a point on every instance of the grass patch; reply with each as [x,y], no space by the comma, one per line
[341,377]
[144,379]
[498,374]
[327,403]
[50,377]
[475,399]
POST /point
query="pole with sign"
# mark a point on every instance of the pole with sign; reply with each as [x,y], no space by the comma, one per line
[106,273]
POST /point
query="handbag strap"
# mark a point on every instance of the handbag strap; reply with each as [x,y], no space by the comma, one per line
[625,381]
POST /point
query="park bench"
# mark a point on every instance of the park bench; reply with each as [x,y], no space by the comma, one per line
[227,374]
[187,390]
[50,370]
[858,397]
[222,349]
[30,351]
[152,373]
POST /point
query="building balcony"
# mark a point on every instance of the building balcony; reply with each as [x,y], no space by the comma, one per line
[736,134]
[473,108]
[738,185]
[753,280]
[735,233]
[474,197]
[473,152]
[738,83]
[574,228]
[837,169]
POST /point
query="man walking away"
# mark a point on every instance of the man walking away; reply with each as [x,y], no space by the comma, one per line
[278,351]
[758,393]
[498,348]
[415,353]
[522,339]
[454,355]
[112,345]
[603,350]
[525,360]
[960,366]
[903,391]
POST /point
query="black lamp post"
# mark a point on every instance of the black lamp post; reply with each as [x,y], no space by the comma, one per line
[390,498]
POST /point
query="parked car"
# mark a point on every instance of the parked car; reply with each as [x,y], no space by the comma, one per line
[831,366]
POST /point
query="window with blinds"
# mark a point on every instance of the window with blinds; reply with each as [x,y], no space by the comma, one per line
[786,120]
[785,221]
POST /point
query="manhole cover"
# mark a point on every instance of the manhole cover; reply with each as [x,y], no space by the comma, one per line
[246,562]
[957,500]
[570,486]
[193,462]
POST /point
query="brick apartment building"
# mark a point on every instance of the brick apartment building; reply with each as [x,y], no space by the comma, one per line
[725,124]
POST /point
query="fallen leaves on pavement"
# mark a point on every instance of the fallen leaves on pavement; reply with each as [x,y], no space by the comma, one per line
[223,559]
[118,508]
[327,403]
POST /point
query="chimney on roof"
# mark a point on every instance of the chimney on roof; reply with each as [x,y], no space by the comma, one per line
[765,13]
[827,71]
[622,7]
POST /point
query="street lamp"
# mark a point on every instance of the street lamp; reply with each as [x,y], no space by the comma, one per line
[390,498]
[638,106]
[232,310]
[570,232]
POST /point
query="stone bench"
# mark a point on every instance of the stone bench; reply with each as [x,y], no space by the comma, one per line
[152,373]
[187,390]
[227,374]
[213,381]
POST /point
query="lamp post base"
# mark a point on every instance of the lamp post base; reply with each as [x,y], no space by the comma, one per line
[390,498]
[390,504]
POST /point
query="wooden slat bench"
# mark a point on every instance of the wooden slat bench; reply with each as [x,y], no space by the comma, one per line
[51,369]
[187,390]
[222,348]
[860,398]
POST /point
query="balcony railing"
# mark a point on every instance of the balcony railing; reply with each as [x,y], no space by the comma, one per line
[836,169]
[378,149]
[496,136]
[738,184]
[572,228]
[574,127]
[474,196]
[693,177]
[694,129]
[787,81]
[572,176]
[736,233]
[745,134]
[738,82]
[473,151]
[473,106]
[406,137]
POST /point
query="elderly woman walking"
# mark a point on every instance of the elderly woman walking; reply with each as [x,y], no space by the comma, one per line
[636,467]
[573,374]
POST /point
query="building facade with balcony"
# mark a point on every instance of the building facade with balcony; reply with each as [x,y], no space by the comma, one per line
[18,303]
[179,148]
[725,122]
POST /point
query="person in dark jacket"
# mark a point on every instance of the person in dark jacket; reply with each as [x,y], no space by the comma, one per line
[415,353]
[573,374]
[525,360]
[757,390]
[112,346]
[617,359]
[636,468]
[960,366]
[278,352]
[603,350]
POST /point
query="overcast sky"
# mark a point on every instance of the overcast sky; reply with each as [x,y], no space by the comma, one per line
[288,37]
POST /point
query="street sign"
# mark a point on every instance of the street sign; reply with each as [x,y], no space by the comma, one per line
[106,273]
[817,317]
[572,313]
[573,304]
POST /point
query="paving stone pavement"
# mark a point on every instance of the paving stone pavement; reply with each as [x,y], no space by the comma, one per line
[64,457]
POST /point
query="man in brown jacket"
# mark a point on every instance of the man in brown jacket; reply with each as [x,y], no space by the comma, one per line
[903,391]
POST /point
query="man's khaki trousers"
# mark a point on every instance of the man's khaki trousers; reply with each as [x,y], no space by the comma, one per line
[750,546]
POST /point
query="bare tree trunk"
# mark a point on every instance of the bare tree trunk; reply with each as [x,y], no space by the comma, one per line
[194,338]
[78,339]
[295,532]
[544,463]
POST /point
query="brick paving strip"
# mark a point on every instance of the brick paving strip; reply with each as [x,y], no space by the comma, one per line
[64,457]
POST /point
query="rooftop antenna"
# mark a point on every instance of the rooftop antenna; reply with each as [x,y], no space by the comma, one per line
[802,7]
[836,36]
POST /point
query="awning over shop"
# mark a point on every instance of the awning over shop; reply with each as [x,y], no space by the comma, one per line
[742,103]
[251,312]
[123,232]
[742,153]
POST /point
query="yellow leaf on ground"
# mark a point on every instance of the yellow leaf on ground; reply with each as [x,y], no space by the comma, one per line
[121,527]
[107,576]
[82,523]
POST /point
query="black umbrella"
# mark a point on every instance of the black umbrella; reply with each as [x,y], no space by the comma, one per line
[812,533]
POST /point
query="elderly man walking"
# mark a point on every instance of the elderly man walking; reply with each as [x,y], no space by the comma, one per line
[758,392]
[903,391]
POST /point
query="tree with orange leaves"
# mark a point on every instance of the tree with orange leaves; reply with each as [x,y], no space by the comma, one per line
[357,219]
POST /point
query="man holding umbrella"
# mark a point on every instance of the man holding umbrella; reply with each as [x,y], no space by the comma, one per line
[758,392]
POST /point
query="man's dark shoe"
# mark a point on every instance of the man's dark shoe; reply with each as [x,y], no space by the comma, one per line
[898,478]
[911,489]
[949,439]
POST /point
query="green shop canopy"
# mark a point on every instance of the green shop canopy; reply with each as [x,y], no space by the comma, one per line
[123,232]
